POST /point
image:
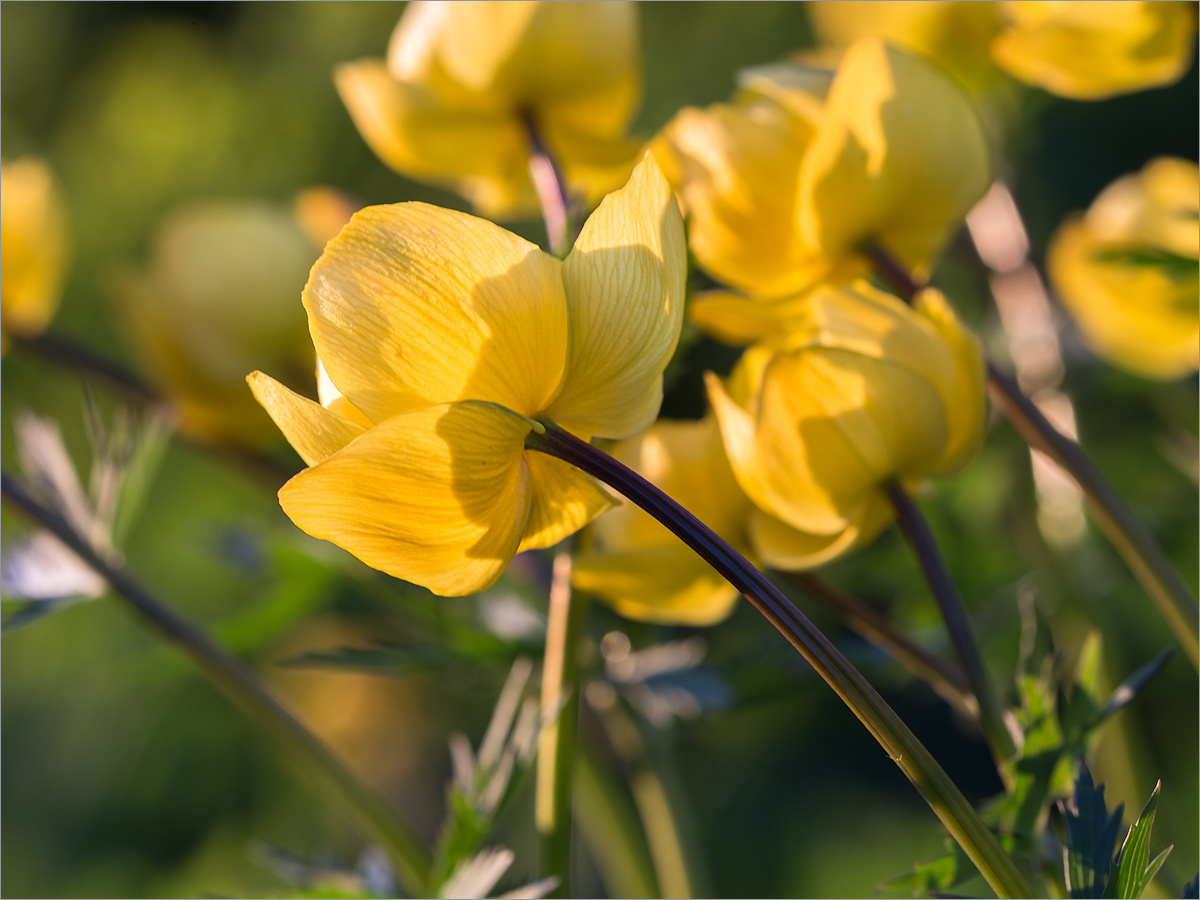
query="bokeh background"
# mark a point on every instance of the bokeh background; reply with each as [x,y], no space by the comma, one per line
[124,774]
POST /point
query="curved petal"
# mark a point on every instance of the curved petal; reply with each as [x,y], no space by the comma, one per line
[437,496]
[734,319]
[564,500]
[34,245]
[625,284]
[782,547]
[899,158]
[477,151]
[412,305]
[964,395]
[314,431]
[668,584]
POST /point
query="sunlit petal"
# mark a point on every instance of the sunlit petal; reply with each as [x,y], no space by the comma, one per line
[314,431]
[438,496]
[564,500]
[779,545]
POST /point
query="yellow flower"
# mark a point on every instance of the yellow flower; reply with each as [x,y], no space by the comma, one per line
[639,567]
[1127,270]
[444,337]
[450,106]
[1092,50]
[954,33]
[783,190]
[33,247]
[865,390]
[217,297]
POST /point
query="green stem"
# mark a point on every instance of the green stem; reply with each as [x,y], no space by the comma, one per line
[556,745]
[942,795]
[944,677]
[1122,528]
[919,536]
[239,684]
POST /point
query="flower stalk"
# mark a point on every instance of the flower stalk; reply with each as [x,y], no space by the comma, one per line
[240,685]
[1127,535]
[551,189]
[942,795]
[945,592]
[556,745]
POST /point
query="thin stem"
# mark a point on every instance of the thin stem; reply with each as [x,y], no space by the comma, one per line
[239,684]
[944,677]
[942,795]
[556,745]
[919,536]
[551,189]
[1122,528]
[68,353]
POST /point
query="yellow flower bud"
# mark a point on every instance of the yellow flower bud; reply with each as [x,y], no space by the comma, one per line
[1092,49]
[866,389]
[33,246]
[785,187]
[639,567]
[463,82]
[1127,270]
[443,338]
[217,297]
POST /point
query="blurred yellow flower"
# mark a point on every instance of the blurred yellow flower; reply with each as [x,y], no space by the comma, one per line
[786,187]
[33,247]
[218,297]
[864,390]
[1092,49]
[953,33]
[1127,270]
[443,337]
[639,567]
[465,81]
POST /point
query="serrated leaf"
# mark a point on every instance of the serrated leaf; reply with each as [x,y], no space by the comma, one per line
[1091,837]
[1191,890]
[1132,874]
[936,876]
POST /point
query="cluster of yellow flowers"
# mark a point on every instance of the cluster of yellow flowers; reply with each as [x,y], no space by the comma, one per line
[444,340]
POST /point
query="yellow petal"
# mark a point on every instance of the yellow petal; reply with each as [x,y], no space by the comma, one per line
[667,584]
[780,546]
[412,305]
[1138,315]
[625,288]
[736,319]
[564,500]
[898,159]
[335,401]
[34,246]
[1093,50]
[965,394]
[736,168]
[314,431]
[438,496]
[477,151]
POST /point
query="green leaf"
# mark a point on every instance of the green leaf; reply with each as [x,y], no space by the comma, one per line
[935,877]
[1133,874]
[1091,837]
[1126,691]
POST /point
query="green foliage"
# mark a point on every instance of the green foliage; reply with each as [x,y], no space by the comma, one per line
[1091,837]
[1133,873]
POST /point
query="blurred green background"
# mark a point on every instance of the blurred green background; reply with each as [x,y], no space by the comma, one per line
[124,774]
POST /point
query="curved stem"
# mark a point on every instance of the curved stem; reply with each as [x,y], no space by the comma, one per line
[69,354]
[919,536]
[1122,528]
[239,684]
[556,746]
[942,795]
[550,185]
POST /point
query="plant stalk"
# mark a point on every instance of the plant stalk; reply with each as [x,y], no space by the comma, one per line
[942,795]
[556,744]
[238,683]
[919,536]
[551,189]
[1127,535]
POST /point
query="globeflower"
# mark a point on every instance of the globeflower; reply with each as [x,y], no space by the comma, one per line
[445,339]
[33,247]
[788,187]
[864,390]
[467,85]
[217,297]
[1128,270]
[639,567]
[1091,50]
